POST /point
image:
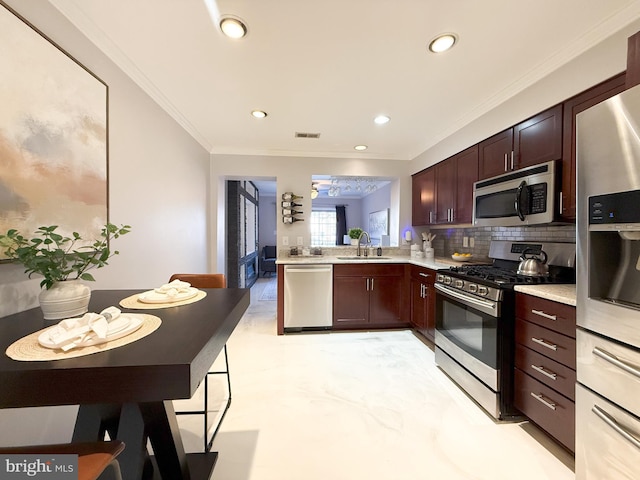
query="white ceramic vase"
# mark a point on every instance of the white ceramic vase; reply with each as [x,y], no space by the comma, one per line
[66,299]
[354,241]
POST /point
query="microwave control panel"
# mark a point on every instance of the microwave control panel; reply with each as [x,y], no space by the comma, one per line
[537,198]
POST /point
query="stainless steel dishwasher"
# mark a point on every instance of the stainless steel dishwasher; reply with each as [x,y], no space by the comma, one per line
[308,297]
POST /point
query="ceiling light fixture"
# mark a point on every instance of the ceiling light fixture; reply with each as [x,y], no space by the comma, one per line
[259,113]
[233,27]
[381,119]
[360,147]
[442,42]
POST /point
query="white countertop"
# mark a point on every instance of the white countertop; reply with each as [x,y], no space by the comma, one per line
[558,293]
[434,264]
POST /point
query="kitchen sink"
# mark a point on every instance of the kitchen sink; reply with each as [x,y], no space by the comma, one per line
[373,257]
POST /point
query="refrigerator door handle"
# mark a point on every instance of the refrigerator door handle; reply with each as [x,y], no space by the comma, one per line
[609,420]
[611,358]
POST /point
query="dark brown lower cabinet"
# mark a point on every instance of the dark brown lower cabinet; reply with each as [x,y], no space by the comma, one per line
[546,408]
[423,306]
[369,296]
[545,373]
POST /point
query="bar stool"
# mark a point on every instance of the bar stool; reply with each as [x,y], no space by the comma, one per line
[96,460]
[208,280]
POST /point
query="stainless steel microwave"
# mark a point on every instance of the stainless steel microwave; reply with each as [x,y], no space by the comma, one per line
[523,197]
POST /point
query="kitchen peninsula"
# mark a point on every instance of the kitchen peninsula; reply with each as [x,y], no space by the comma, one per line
[367,292]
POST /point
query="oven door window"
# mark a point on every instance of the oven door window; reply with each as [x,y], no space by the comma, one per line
[474,332]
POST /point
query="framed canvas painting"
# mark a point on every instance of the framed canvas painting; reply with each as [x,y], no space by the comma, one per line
[53,135]
[378,225]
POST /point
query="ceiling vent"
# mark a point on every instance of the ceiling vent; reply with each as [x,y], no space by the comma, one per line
[307,135]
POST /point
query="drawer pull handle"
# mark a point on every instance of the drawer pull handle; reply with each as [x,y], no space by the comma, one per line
[544,371]
[544,401]
[544,343]
[611,358]
[613,423]
[425,275]
[545,315]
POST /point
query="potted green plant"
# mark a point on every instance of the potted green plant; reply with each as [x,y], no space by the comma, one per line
[354,234]
[62,264]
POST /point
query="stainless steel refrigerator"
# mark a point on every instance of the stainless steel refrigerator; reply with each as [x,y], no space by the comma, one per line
[608,289]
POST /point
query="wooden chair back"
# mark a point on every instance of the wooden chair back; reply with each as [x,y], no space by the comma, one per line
[202,280]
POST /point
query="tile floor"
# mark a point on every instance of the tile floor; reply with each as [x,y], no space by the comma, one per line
[368,405]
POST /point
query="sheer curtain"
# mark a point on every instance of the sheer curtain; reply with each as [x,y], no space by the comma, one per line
[341,224]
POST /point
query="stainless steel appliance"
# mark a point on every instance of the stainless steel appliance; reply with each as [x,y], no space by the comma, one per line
[608,290]
[475,319]
[308,297]
[529,196]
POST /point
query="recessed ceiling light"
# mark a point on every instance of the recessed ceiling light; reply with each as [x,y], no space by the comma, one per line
[442,42]
[381,119]
[360,147]
[259,113]
[233,27]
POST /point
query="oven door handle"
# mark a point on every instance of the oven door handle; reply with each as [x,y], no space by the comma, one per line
[465,298]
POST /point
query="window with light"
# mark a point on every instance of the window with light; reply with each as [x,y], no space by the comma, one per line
[323,228]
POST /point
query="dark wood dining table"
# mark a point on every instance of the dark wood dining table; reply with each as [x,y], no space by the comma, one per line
[127,391]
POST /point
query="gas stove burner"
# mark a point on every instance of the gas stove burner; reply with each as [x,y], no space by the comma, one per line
[501,276]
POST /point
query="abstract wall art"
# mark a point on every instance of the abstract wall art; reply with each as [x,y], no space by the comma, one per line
[53,135]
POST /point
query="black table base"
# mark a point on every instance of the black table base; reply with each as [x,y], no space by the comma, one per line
[134,424]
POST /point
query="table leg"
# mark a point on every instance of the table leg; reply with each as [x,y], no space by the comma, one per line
[133,423]
[162,427]
[122,422]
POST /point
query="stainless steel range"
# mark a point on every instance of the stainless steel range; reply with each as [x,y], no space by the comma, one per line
[475,318]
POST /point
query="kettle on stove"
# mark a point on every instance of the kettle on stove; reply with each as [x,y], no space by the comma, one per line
[533,265]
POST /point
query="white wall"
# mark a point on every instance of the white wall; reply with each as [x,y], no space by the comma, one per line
[157,184]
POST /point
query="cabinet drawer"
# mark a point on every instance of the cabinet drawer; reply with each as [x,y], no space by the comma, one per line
[552,315]
[422,274]
[547,342]
[547,408]
[369,270]
[545,370]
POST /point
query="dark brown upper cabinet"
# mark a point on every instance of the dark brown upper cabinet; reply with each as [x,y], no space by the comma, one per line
[536,140]
[423,191]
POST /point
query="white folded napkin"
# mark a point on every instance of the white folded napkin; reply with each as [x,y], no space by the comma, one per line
[173,288]
[76,332]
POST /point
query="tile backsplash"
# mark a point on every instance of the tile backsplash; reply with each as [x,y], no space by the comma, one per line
[450,240]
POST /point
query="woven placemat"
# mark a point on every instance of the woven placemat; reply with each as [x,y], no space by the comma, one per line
[28,349]
[134,303]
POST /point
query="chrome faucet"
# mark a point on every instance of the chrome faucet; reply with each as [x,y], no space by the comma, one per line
[360,240]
